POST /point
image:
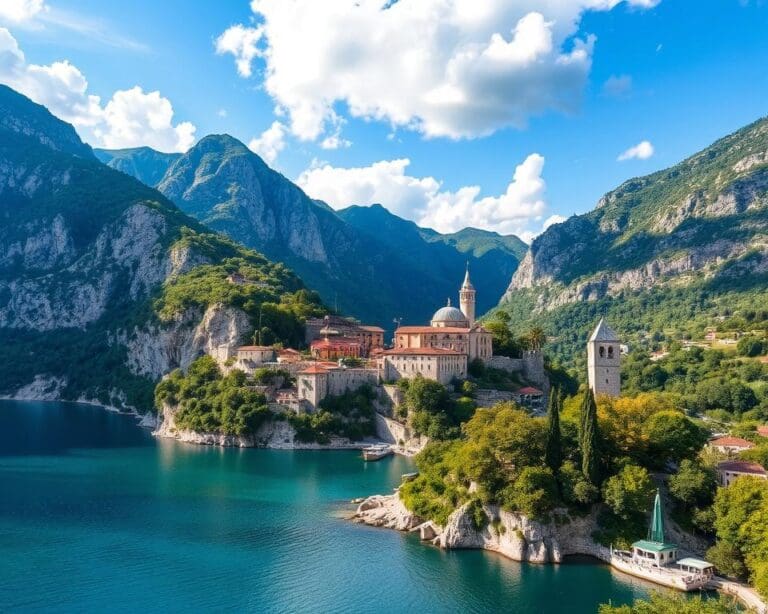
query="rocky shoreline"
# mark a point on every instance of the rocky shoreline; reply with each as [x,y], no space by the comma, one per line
[512,535]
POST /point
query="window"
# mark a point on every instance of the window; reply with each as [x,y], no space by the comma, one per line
[610,351]
[601,351]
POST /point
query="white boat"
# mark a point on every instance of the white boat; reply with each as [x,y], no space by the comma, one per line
[376,452]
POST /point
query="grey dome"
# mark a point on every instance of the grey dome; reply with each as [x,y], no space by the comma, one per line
[449,314]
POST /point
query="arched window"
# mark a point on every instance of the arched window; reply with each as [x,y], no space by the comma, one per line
[610,351]
[602,352]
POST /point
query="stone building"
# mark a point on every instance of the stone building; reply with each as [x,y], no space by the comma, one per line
[369,337]
[604,361]
[320,381]
[439,364]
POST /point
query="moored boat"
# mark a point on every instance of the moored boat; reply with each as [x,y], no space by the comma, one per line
[376,452]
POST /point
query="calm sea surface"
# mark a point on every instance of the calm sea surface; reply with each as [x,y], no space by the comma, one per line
[95,515]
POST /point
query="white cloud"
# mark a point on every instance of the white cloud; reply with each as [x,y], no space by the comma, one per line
[240,41]
[221,113]
[451,68]
[129,119]
[19,11]
[519,210]
[270,143]
[642,151]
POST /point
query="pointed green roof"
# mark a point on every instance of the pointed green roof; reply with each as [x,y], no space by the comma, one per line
[656,530]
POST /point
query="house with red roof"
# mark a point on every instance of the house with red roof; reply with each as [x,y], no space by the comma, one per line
[730,445]
[728,471]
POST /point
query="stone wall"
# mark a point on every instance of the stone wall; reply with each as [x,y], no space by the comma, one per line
[391,431]
[488,398]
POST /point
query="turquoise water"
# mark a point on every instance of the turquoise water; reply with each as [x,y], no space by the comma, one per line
[96,515]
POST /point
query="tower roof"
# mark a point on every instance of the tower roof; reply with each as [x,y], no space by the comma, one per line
[603,332]
[656,530]
[467,285]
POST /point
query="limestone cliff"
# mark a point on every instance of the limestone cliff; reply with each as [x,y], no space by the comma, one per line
[87,257]
[700,227]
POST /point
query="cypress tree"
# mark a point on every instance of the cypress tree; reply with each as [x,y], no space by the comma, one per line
[589,439]
[554,453]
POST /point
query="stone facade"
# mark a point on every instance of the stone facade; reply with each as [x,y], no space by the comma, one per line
[318,382]
[604,361]
[437,364]
[369,337]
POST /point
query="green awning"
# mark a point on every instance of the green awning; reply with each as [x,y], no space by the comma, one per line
[650,546]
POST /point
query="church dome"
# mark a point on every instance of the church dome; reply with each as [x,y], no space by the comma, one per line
[449,316]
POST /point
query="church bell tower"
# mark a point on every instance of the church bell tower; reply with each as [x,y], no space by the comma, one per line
[467,299]
[604,361]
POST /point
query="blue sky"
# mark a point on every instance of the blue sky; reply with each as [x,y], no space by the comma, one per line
[675,74]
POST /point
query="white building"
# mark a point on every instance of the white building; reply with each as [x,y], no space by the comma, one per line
[604,361]
[248,358]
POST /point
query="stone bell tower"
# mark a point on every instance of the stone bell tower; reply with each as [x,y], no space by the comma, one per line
[467,299]
[604,361]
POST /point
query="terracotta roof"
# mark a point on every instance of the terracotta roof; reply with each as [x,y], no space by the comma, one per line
[762,430]
[336,343]
[255,348]
[313,370]
[732,442]
[738,466]
[289,351]
[423,352]
[371,329]
[431,329]
[529,390]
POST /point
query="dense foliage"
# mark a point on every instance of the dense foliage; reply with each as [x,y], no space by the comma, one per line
[664,603]
[431,411]
[525,464]
[349,415]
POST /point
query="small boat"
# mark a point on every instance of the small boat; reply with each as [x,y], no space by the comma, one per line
[376,452]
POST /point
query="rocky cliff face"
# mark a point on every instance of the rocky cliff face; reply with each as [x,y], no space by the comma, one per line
[512,535]
[372,264]
[85,253]
[699,217]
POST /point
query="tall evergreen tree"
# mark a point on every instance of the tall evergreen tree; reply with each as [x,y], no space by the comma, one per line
[554,453]
[589,439]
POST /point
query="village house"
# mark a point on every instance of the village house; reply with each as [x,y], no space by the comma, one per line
[319,381]
[439,364]
[368,337]
[728,471]
[730,445]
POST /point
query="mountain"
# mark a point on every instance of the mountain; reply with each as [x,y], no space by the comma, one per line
[491,257]
[368,262]
[674,251]
[143,163]
[105,285]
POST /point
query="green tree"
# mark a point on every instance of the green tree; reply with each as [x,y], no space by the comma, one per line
[694,484]
[629,492]
[554,453]
[533,493]
[575,488]
[673,437]
[664,603]
[750,346]
[589,439]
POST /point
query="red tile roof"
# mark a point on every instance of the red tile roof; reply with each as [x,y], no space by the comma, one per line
[430,329]
[738,466]
[422,352]
[289,351]
[371,329]
[732,442]
[335,343]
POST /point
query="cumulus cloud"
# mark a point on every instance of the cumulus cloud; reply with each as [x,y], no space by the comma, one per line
[242,43]
[129,119]
[445,68]
[18,11]
[642,151]
[519,210]
[270,143]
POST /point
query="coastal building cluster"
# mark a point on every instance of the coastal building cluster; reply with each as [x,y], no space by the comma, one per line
[345,355]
